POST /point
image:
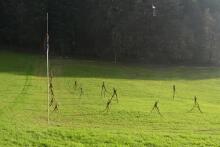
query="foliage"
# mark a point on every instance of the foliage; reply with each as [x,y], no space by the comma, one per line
[184,31]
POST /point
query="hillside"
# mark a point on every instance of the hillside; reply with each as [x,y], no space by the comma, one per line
[80,121]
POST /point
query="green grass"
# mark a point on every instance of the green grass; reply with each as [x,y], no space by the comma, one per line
[81,122]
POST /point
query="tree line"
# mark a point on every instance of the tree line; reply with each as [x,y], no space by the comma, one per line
[181,31]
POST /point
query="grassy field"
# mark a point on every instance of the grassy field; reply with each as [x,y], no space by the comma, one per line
[81,121]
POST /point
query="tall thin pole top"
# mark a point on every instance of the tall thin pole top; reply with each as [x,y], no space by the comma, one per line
[48,78]
[47,32]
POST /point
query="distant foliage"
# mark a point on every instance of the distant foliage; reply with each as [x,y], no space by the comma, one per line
[183,31]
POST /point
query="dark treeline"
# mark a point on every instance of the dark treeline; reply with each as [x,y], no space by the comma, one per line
[183,31]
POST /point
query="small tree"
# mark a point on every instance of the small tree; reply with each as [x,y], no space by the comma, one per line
[156,107]
[114,94]
[174,91]
[196,105]
[103,90]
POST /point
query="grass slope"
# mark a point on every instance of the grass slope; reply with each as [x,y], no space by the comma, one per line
[80,121]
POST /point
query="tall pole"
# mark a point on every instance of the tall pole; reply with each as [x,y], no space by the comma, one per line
[48,78]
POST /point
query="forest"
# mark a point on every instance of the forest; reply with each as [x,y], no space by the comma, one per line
[176,31]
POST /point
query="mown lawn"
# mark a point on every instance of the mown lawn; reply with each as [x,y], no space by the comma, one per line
[81,121]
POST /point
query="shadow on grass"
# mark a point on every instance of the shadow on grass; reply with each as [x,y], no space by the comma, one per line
[20,64]
[83,114]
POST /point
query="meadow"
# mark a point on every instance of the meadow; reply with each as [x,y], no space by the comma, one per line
[80,121]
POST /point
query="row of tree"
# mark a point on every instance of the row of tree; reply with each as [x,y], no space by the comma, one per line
[180,31]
